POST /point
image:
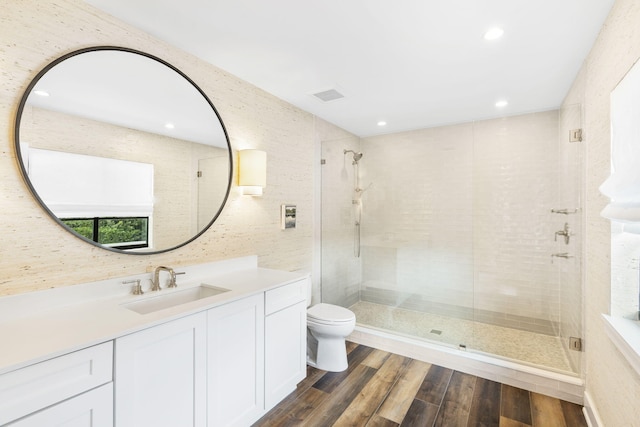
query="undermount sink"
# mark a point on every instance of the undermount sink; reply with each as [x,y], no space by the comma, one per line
[160,301]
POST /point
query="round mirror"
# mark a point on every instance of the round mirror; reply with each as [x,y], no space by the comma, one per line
[123,150]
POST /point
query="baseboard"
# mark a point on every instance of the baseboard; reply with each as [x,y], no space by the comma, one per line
[590,412]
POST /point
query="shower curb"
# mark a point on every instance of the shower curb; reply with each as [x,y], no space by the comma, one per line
[550,383]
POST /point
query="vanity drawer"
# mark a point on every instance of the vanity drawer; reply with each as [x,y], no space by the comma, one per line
[285,296]
[35,387]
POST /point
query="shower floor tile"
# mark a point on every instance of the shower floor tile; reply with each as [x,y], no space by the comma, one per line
[524,346]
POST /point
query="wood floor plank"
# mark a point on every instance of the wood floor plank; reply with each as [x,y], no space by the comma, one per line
[331,380]
[378,421]
[350,346]
[368,400]
[382,389]
[420,414]
[546,411]
[313,375]
[397,403]
[508,422]
[344,393]
[376,358]
[516,404]
[434,385]
[485,406]
[455,407]
[296,412]
[573,415]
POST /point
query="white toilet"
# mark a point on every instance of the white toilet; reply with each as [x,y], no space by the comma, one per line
[327,326]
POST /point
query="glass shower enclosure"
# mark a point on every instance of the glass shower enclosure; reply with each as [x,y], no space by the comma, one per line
[466,235]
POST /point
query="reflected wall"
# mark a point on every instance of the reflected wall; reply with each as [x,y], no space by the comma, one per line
[176,163]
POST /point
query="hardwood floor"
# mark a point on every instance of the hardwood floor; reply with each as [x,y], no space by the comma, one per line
[381,389]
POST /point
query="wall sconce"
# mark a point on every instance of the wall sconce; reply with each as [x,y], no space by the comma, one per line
[252,171]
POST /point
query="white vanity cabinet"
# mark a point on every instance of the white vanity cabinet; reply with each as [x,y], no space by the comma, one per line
[160,375]
[219,361]
[236,362]
[91,409]
[74,389]
[285,340]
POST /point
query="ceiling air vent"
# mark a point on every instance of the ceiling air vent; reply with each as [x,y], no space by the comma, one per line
[328,95]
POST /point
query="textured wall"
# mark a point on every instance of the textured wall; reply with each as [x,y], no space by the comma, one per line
[35,253]
[613,385]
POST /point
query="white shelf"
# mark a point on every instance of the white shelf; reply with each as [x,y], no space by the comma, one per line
[625,334]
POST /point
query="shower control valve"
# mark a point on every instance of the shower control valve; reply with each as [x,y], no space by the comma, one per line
[566,232]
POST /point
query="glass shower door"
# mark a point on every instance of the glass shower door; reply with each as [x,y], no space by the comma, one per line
[570,244]
[340,268]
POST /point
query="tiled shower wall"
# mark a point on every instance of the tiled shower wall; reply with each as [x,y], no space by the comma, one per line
[457,220]
[417,220]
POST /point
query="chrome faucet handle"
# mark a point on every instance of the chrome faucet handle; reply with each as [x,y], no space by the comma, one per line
[172,282]
[565,232]
[172,278]
[136,289]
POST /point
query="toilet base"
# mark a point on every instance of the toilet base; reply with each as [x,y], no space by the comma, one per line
[328,354]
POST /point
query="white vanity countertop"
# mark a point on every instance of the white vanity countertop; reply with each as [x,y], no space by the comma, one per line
[40,325]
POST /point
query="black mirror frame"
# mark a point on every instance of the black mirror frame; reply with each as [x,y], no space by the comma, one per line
[33,191]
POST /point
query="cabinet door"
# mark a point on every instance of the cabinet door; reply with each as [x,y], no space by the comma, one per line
[32,388]
[236,362]
[285,352]
[91,409]
[160,375]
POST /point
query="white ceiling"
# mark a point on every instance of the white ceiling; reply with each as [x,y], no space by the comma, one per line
[411,63]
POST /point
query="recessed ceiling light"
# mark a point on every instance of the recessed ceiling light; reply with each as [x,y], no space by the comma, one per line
[493,33]
[382,123]
[502,103]
[169,125]
[41,92]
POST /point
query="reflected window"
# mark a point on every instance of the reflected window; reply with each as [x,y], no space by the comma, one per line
[118,232]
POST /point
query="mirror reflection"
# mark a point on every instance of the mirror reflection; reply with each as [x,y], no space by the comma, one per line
[123,150]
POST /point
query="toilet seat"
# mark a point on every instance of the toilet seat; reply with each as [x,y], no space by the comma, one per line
[328,314]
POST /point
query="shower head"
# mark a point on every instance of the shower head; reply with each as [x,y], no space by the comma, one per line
[356,156]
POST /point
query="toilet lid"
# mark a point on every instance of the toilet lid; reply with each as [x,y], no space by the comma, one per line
[331,313]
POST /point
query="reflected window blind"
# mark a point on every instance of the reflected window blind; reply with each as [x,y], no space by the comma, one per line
[82,186]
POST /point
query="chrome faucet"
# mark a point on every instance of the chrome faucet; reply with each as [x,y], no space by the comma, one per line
[156,278]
